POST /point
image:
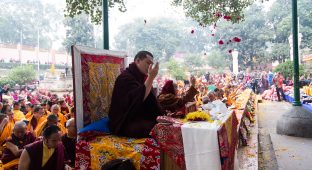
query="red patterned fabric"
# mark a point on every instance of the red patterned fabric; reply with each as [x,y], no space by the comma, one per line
[150,159]
[85,60]
[227,135]
[150,155]
[169,137]
[83,157]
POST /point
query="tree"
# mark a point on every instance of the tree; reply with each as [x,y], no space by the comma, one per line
[287,69]
[21,21]
[19,75]
[209,12]
[193,62]
[280,52]
[202,11]
[252,33]
[218,59]
[160,36]
[79,31]
[176,70]
[92,8]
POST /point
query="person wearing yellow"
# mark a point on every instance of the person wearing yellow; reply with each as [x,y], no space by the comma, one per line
[36,119]
[55,110]
[51,120]
[45,106]
[29,109]
[15,144]
[6,125]
[18,115]
[46,154]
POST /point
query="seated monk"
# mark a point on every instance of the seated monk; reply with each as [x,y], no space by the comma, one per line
[55,109]
[51,120]
[46,154]
[69,141]
[134,108]
[15,145]
[6,126]
[18,115]
[169,101]
[36,119]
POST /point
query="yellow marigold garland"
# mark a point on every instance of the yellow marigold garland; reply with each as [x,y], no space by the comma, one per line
[198,116]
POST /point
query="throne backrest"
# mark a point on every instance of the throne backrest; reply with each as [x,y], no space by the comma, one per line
[95,72]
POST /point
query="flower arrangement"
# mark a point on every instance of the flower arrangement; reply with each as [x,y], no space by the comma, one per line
[198,116]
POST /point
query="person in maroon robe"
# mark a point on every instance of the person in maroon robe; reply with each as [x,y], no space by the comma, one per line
[134,108]
[69,141]
[32,157]
[16,143]
[171,103]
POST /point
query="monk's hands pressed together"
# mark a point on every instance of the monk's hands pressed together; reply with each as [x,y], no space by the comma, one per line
[153,71]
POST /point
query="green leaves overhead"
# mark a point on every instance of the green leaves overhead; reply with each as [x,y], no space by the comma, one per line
[93,8]
[208,12]
[205,12]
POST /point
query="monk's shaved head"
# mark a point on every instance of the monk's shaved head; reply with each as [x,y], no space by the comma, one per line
[19,129]
[20,124]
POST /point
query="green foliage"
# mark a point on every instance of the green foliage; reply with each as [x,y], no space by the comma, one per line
[218,59]
[42,66]
[161,37]
[206,12]
[93,8]
[202,11]
[79,32]
[287,69]
[280,52]
[19,75]
[193,62]
[22,20]
[176,70]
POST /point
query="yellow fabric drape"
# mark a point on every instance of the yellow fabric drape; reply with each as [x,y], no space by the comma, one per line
[10,164]
[7,131]
[42,119]
[18,115]
[47,153]
[39,129]
[28,115]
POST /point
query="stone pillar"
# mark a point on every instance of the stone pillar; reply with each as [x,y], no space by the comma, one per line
[235,61]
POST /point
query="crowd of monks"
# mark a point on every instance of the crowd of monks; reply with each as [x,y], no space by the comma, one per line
[37,136]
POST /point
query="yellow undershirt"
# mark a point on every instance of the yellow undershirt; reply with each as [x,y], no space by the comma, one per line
[47,153]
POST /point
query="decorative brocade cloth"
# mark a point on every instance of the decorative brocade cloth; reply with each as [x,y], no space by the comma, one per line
[144,152]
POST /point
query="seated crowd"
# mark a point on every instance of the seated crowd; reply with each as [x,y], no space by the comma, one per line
[37,136]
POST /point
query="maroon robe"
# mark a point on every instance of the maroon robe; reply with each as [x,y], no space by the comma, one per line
[35,152]
[70,148]
[20,143]
[129,115]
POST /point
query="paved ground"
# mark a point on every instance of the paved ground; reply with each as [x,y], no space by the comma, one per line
[279,151]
